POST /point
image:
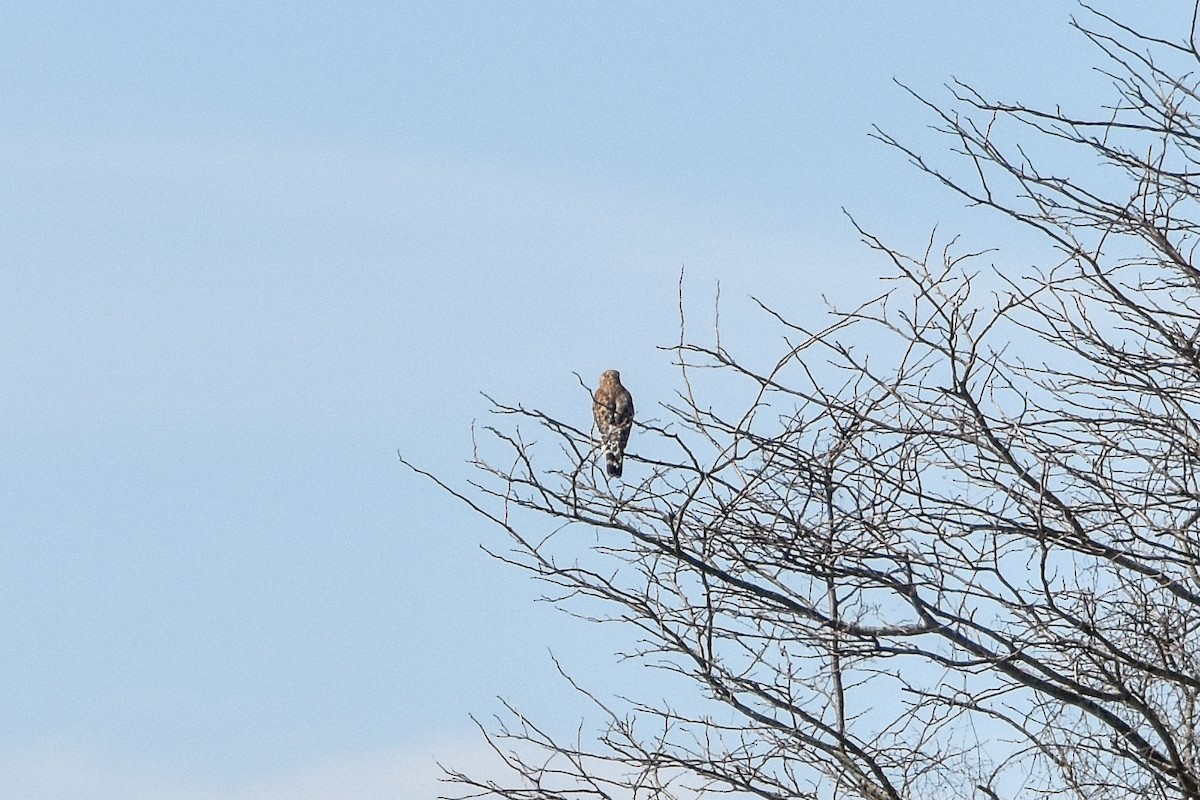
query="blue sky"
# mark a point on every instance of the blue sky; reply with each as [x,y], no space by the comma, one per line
[249,250]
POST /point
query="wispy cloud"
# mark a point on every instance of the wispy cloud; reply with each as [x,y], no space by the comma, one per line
[399,774]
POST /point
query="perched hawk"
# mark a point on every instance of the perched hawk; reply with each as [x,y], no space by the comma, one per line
[613,407]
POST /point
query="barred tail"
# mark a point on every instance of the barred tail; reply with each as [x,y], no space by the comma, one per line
[614,459]
[613,447]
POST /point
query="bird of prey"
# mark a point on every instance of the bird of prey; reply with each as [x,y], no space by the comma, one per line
[613,407]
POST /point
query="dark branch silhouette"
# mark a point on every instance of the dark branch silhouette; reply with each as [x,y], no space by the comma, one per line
[950,544]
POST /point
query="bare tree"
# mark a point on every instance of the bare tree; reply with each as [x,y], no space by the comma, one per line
[962,564]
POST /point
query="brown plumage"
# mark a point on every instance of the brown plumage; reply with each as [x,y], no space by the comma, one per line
[613,407]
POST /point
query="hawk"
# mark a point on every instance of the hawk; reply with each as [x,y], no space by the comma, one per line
[613,407]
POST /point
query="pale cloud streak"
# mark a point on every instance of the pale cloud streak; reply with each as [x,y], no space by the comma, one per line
[398,774]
